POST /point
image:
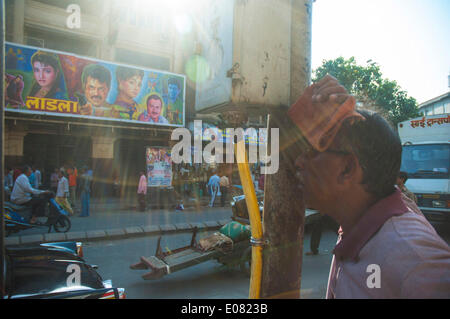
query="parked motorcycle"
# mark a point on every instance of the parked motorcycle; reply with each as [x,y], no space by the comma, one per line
[17,217]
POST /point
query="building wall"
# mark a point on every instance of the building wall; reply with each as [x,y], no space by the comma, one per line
[439,107]
[116,31]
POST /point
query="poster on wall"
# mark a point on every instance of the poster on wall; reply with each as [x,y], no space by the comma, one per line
[42,81]
[159,166]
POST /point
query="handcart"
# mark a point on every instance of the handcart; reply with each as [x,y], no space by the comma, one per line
[165,263]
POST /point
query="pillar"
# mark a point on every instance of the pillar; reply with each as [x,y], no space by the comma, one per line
[18,21]
[14,147]
[102,165]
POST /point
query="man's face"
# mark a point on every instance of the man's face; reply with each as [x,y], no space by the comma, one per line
[96,91]
[317,178]
[131,86]
[28,172]
[154,109]
[173,91]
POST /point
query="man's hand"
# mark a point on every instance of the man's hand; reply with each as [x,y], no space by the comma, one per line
[86,109]
[328,88]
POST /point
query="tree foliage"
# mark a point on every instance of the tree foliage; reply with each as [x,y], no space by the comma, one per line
[371,90]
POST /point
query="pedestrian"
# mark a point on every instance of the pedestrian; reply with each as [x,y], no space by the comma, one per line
[401,180]
[348,170]
[142,191]
[319,224]
[85,187]
[72,174]
[32,179]
[224,186]
[38,176]
[213,187]
[54,180]
[261,182]
[9,179]
[16,173]
[62,193]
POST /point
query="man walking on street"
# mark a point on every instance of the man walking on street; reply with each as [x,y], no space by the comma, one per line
[348,170]
[85,188]
[72,174]
[213,187]
[142,191]
[224,186]
[62,193]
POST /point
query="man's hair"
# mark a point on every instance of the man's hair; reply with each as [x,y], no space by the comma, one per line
[98,72]
[378,149]
[123,73]
[154,97]
[25,168]
[403,176]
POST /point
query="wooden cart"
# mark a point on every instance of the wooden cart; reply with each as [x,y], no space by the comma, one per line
[164,263]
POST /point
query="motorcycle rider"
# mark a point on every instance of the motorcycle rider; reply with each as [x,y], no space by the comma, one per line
[24,194]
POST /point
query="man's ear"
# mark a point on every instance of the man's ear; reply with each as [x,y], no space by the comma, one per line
[350,169]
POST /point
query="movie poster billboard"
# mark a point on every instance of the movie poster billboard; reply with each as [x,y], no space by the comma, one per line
[41,81]
[159,166]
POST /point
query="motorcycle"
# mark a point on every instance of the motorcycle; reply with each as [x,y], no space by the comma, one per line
[17,217]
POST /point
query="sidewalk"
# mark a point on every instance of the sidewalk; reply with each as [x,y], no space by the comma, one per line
[112,218]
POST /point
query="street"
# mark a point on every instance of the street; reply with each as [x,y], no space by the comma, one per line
[207,280]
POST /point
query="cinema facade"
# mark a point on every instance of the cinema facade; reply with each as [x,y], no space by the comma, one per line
[79,96]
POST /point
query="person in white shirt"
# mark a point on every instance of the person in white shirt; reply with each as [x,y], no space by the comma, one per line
[38,176]
[224,185]
[22,194]
[62,193]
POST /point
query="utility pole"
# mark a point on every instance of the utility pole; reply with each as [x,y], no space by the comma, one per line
[2,144]
[284,211]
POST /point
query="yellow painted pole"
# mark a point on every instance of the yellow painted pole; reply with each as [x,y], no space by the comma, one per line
[255,220]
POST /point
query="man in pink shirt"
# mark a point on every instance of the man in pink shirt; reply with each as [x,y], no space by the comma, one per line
[386,248]
[142,191]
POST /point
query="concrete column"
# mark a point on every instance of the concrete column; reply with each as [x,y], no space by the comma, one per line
[13,147]
[300,47]
[102,165]
[18,21]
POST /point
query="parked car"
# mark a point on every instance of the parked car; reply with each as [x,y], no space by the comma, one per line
[54,270]
[240,212]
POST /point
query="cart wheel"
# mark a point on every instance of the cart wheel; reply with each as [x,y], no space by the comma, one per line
[62,224]
[246,261]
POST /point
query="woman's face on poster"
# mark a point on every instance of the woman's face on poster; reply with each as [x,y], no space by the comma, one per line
[131,86]
[44,74]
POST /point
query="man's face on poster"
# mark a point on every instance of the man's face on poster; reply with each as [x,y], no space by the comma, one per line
[154,107]
[95,91]
[173,91]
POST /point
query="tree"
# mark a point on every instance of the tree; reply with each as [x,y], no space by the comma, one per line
[371,90]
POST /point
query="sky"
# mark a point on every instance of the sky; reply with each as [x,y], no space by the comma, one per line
[408,39]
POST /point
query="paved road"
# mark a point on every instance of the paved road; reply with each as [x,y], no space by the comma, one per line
[206,280]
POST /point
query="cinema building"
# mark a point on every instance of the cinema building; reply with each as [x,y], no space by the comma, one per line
[203,60]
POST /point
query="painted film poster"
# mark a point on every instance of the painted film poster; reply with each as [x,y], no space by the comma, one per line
[42,81]
[159,166]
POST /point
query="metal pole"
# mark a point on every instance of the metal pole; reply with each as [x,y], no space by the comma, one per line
[2,128]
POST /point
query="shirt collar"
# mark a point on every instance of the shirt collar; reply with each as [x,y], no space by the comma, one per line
[351,244]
